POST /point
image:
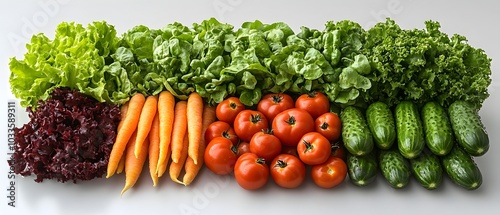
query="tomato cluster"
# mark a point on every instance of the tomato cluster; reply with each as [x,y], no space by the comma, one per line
[279,138]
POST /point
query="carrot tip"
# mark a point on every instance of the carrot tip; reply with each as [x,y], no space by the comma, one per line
[160,173]
[123,191]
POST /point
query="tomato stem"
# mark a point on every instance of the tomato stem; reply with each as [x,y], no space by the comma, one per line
[255,118]
[267,131]
[280,164]
[291,120]
[226,134]
[234,149]
[277,98]
[260,161]
[324,126]
[309,146]
[312,94]
[233,105]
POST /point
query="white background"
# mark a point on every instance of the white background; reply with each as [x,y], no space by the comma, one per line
[210,194]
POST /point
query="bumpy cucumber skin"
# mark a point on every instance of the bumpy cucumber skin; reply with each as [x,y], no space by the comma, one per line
[437,128]
[362,169]
[410,132]
[356,135]
[427,170]
[395,168]
[462,169]
[381,123]
[468,129]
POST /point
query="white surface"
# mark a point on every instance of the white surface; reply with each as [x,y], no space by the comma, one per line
[210,194]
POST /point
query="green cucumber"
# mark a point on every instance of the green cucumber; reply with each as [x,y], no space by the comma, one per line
[362,169]
[437,128]
[409,130]
[356,135]
[468,129]
[427,169]
[395,168]
[381,123]
[462,169]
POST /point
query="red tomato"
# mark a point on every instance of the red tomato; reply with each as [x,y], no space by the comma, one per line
[338,150]
[265,145]
[251,172]
[315,103]
[220,156]
[227,110]
[291,150]
[221,129]
[329,125]
[243,147]
[288,171]
[249,122]
[313,148]
[330,173]
[290,125]
[273,104]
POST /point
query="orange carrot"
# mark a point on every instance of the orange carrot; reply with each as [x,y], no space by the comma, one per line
[126,130]
[121,165]
[123,114]
[163,167]
[166,107]
[154,148]
[134,165]
[179,130]
[192,169]
[175,168]
[147,115]
[194,124]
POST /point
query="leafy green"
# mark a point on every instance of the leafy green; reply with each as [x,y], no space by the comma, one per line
[423,65]
[351,65]
[76,58]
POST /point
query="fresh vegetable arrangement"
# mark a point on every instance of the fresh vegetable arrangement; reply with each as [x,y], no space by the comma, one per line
[260,102]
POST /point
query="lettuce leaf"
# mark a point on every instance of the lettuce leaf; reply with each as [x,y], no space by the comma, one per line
[75,58]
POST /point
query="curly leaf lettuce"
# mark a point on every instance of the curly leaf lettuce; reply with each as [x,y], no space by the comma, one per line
[75,58]
[423,65]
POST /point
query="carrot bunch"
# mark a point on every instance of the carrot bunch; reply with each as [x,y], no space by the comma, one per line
[161,130]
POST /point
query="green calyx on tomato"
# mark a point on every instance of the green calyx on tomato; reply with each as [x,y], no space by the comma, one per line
[280,164]
[260,161]
[309,146]
[324,126]
[291,121]
[277,98]
[255,118]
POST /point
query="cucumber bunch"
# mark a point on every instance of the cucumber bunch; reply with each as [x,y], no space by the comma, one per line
[424,142]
